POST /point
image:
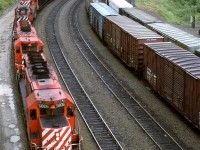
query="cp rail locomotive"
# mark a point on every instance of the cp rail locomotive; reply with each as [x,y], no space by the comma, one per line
[50,112]
[172,72]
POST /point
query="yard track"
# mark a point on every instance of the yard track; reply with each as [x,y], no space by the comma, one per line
[159,136]
[95,123]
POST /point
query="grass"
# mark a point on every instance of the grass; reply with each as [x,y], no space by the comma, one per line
[5,3]
[173,11]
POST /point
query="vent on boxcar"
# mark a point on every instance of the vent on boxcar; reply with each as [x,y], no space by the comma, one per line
[39,66]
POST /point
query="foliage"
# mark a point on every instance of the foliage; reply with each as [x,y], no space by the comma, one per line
[174,11]
[5,3]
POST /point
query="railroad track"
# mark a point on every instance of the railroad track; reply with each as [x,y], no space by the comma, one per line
[97,126]
[159,136]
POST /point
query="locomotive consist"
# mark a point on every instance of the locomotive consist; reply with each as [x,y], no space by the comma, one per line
[172,72]
[50,112]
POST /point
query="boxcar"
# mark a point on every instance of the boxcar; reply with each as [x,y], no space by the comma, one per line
[118,4]
[126,37]
[169,32]
[139,16]
[97,13]
[177,36]
[88,2]
[174,73]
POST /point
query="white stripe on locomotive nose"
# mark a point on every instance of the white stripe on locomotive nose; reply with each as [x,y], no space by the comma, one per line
[19,19]
[64,138]
[49,136]
[44,132]
[51,145]
[26,3]
[63,130]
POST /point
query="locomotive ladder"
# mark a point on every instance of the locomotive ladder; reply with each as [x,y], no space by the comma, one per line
[160,137]
[97,126]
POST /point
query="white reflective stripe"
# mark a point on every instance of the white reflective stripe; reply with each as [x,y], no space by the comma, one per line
[70,148]
[63,130]
[51,145]
[49,136]
[64,138]
[66,135]
[45,131]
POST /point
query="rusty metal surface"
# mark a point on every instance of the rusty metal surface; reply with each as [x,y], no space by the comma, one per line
[174,73]
[189,62]
[126,37]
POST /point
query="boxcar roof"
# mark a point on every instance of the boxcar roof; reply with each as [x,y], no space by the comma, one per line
[104,9]
[141,16]
[185,39]
[179,57]
[135,29]
[120,3]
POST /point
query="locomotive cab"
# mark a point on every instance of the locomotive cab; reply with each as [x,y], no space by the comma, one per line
[50,110]
[51,121]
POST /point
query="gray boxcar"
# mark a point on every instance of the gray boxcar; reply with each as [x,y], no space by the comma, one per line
[169,32]
[174,73]
[126,37]
[177,36]
[139,16]
[97,13]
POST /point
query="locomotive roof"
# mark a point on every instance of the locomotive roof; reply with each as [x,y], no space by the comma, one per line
[54,121]
[29,29]
[180,57]
[104,9]
[49,95]
[41,74]
[133,28]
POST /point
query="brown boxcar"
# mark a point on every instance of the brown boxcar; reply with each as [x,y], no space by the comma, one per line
[174,73]
[126,37]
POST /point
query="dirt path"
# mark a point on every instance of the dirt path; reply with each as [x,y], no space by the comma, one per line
[12,133]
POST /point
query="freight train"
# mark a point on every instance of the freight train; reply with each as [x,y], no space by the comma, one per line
[50,112]
[172,72]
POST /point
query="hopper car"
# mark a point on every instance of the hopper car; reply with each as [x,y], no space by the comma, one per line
[172,71]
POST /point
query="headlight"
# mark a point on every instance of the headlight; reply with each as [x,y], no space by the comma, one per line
[57,138]
[57,134]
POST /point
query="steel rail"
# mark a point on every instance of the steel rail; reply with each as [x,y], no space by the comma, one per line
[152,128]
[103,136]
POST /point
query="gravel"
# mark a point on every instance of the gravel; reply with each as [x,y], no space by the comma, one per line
[124,127]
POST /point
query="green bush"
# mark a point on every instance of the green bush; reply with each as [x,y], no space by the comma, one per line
[174,11]
[5,3]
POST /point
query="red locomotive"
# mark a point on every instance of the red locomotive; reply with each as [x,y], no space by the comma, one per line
[25,39]
[50,111]
[26,10]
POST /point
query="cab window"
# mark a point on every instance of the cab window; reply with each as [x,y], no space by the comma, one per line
[33,114]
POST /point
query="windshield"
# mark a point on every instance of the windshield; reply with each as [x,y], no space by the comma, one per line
[26,47]
[48,111]
[56,121]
